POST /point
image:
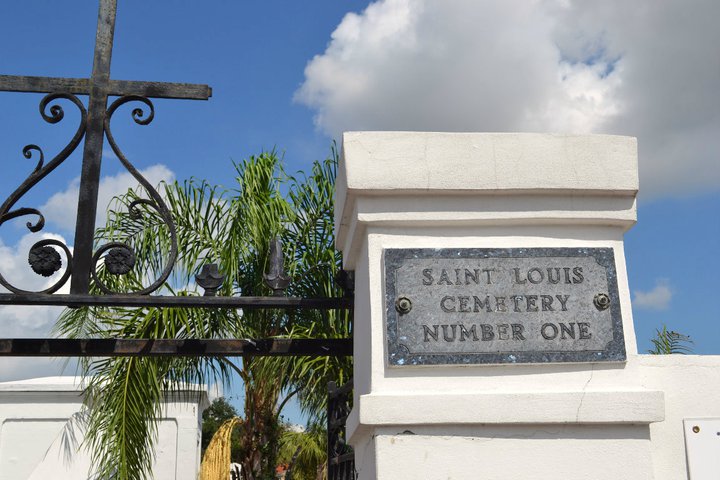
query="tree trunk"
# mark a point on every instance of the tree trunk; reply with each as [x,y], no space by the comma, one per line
[260,435]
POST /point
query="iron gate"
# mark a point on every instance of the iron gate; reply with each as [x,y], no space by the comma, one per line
[81,262]
[341,458]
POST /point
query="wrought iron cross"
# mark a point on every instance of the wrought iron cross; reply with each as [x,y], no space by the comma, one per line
[95,126]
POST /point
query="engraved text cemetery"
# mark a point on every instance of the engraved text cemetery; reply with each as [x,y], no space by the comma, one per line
[507,305]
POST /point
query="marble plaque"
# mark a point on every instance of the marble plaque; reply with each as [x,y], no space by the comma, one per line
[515,305]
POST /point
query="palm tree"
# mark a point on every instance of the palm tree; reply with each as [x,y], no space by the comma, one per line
[233,230]
[304,453]
[670,342]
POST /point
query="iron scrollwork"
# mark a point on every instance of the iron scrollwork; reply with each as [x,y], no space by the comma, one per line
[42,257]
[45,257]
[119,257]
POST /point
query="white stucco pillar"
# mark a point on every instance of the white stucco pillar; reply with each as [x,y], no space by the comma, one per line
[544,417]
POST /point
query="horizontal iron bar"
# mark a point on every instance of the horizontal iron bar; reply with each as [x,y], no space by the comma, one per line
[81,86]
[110,347]
[187,91]
[73,300]
[13,83]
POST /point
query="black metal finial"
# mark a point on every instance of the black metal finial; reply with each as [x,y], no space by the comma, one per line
[276,278]
[345,279]
[210,279]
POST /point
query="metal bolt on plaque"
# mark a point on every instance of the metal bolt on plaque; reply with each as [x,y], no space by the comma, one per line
[601,301]
[403,305]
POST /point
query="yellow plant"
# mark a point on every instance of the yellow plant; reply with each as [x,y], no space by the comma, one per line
[216,461]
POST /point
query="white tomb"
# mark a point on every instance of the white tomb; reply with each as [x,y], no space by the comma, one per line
[537,420]
[41,432]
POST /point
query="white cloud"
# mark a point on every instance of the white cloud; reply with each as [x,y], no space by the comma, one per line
[215,391]
[656,299]
[61,209]
[647,68]
[21,368]
[108,154]
[60,212]
[15,268]
[20,321]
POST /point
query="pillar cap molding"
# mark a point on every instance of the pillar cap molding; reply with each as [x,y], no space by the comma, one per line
[419,179]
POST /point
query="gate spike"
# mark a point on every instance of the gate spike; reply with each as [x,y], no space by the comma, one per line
[276,278]
[210,279]
[345,279]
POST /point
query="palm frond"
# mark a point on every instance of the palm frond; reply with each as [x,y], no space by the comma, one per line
[304,452]
[233,229]
[669,342]
[121,400]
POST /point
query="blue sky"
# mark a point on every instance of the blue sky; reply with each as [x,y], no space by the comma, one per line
[293,75]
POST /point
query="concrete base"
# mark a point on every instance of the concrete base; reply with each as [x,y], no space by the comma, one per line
[507,453]
[597,433]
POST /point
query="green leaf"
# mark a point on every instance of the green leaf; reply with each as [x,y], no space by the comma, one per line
[668,342]
[232,228]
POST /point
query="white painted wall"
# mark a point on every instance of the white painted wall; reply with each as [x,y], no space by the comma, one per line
[41,433]
[578,433]
[544,421]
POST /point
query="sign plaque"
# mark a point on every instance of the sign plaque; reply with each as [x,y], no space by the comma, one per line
[490,306]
